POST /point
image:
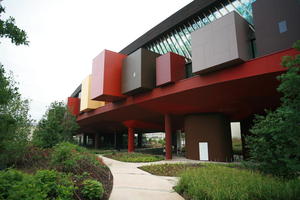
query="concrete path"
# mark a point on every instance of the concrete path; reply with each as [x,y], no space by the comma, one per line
[131,183]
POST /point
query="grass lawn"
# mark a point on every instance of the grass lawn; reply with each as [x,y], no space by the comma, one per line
[217,182]
[168,169]
[237,146]
[134,157]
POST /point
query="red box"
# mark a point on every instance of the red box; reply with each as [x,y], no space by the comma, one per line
[170,68]
[73,105]
[106,76]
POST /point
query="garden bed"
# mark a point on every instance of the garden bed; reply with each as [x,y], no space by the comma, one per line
[168,169]
[134,157]
[82,169]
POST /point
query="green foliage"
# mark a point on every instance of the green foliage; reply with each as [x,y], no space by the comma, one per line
[69,157]
[56,185]
[57,125]
[275,144]
[215,182]
[168,169]
[45,184]
[15,122]
[8,29]
[134,157]
[66,155]
[92,189]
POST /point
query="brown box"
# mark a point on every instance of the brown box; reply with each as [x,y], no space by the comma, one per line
[221,44]
[277,24]
[169,68]
[138,72]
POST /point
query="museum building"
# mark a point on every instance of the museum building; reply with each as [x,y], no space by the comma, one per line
[211,63]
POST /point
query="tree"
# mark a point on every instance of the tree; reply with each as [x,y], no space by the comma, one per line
[8,29]
[15,122]
[275,143]
[57,125]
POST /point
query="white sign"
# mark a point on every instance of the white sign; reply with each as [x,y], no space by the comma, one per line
[203,151]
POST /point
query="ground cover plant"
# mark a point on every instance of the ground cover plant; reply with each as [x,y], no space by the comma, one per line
[85,171]
[216,182]
[134,157]
[168,169]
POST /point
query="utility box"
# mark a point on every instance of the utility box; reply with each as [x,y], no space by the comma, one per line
[222,43]
[106,76]
[138,72]
[170,68]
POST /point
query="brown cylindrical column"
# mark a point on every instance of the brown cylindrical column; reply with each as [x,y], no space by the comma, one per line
[130,140]
[213,129]
[140,140]
[96,141]
[168,137]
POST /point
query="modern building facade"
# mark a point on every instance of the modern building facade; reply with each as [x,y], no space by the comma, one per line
[211,63]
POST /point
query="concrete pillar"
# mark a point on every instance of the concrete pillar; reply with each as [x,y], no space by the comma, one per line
[119,141]
[130,140]
[140,140]
[213,129]
[168,137]
[97,141]
[84,139]
[178,141]
[246,125]
[80,140]
[174,141]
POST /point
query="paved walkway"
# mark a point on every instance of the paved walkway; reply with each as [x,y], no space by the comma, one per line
[131,183]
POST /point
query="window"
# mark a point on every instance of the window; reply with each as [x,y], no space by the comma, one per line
[282,27]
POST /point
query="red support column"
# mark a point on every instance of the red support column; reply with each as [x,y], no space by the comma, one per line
[168,137]
[130,140]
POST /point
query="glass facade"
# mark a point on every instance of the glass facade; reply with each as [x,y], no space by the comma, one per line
[179,39]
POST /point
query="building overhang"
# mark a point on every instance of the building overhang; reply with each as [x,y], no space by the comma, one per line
[237,92]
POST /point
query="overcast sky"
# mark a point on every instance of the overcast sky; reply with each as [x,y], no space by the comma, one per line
[65,35]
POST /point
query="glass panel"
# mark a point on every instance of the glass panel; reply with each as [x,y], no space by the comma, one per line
[229,7]
[181,44]
[166,45]
[223,11]
[205,20]
[171,45]
[177,45]
[156,50]
[162,47]
[211,17]
[217,14]
[159,48]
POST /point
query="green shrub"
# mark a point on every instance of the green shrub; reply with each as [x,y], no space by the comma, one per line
[15,185]
[274,144]
[92,189]
[215,182]
[55,184]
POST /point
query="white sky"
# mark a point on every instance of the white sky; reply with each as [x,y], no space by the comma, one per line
[65,35]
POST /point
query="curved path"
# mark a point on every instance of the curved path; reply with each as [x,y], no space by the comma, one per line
[131,183]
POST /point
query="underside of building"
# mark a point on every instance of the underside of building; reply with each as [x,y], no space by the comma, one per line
[211,63]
